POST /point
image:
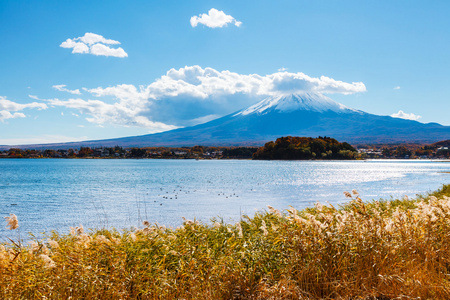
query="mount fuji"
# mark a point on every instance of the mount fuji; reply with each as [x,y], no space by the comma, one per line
[301,114]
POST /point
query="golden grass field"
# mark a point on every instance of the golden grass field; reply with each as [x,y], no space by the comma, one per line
[398,249]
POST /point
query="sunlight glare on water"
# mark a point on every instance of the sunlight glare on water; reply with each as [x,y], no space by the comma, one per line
[52,194]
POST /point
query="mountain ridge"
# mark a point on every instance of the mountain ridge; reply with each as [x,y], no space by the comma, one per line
[306,114]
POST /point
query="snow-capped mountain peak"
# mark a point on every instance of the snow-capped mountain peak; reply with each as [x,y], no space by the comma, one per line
[300,101]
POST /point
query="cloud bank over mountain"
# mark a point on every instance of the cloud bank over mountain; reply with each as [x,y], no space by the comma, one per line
[191,95]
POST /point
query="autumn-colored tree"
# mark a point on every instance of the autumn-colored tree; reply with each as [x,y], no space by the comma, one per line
[294,148]
[197,150]
[85,152]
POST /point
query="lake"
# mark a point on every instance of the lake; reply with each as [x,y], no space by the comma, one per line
[54,194]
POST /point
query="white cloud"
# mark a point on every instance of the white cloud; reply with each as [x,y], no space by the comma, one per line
[10,109]
[92,38]
[77,47]
[403,115]
[213,19]
[62,88]
[397,88]
[197,82]
[4,115]
[95,44]
[14,106]
[287,83]
[200,82]
[100,49]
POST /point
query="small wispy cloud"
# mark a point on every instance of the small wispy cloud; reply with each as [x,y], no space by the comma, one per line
[10,109]
[120,114]
[95,44]
[62,88]
[213,19]
[402,115]
[397,87]
[44,139]
[4,115]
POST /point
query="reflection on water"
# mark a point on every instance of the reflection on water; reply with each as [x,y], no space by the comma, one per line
[49,194]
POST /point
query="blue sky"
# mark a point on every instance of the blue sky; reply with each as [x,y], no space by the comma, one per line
[184,62]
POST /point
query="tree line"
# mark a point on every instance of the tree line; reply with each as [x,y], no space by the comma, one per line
[287,148]
[135,152]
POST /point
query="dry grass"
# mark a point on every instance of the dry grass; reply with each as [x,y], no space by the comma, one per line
[379,250]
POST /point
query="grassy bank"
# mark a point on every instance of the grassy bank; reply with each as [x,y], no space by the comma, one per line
[374,250]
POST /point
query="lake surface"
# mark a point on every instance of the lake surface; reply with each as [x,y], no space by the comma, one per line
[54,194]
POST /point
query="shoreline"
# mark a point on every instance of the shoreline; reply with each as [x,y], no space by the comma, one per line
[175,158]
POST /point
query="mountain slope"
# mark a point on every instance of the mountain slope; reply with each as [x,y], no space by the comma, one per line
[306,114]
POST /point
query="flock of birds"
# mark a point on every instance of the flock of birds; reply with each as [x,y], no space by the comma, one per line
[179,191]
